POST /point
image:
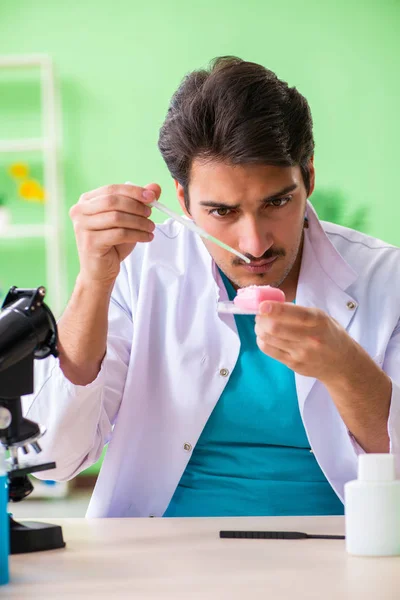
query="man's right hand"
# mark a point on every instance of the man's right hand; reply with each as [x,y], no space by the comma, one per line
[108,223]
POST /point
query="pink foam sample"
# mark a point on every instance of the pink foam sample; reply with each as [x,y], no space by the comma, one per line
[250,297]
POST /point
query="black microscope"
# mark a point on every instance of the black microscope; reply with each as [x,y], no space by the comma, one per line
[28,331]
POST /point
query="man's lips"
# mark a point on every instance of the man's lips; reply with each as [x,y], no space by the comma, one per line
[265,261]
[261,266]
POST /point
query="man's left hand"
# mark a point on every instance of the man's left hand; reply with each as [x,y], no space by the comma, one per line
[306,340]
[312,343]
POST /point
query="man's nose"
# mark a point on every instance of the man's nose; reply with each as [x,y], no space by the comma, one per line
[253,239]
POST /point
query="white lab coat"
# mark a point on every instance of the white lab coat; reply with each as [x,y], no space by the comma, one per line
[167,353]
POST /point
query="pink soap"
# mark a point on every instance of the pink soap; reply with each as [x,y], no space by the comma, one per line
[250,297]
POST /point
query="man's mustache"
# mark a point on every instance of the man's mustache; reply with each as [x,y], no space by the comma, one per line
[271,253]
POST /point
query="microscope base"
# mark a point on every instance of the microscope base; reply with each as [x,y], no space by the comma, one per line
[32,536]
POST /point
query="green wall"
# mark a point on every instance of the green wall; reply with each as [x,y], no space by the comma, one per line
[119,62]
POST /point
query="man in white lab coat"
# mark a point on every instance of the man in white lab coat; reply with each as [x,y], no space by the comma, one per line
[213,414]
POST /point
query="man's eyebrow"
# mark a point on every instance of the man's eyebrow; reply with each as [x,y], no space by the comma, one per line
[210,204]
[286,190]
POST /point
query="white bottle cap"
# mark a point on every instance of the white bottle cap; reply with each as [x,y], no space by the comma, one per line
[376,467]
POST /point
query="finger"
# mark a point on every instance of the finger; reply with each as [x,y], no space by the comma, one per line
[124,189]
[279,343]
[291,313]
[115,220]
[277,353]
[279,329]
[150,187]
[154,187]
[107,238]
[120,203]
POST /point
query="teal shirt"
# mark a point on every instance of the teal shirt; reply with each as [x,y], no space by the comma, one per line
[253,457]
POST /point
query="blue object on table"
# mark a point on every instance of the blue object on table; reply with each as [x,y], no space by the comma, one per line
[4,520]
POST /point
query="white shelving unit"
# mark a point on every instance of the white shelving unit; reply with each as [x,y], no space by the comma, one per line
[52,230]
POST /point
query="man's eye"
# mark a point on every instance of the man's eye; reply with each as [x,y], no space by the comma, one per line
[220,212]
[279,202]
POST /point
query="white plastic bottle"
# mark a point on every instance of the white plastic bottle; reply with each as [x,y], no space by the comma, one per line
[372,508]
[4,520]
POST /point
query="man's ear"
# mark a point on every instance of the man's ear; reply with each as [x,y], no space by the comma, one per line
[180,194]
[312,176]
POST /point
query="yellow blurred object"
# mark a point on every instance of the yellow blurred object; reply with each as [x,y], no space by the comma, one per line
[19,170]
[28,189]
[31,190]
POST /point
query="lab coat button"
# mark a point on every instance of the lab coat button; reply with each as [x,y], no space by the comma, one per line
[224,372]
[187,447]
[351,305]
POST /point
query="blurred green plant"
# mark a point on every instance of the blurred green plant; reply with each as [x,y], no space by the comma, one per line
[332,205]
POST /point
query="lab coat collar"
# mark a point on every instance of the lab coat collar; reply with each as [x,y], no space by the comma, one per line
[323,280]
[330,260]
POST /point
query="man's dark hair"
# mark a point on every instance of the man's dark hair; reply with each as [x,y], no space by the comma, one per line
[236,112]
